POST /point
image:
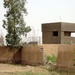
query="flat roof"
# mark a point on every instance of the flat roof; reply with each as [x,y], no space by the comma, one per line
[59,22]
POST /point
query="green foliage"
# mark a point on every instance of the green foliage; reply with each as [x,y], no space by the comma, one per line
[68,42]
[26,73]
[51,58]
[14,22]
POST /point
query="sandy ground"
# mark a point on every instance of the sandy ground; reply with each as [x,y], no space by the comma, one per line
[20,68]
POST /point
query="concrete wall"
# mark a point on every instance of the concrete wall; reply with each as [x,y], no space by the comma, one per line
[48,38]
[51,27]
[67,26]
[66,56]
[6,55]
[35,55]
[47,33]
[28,55]
[17,57]
[50,49]
[61,27]
[32,55]
[67,40]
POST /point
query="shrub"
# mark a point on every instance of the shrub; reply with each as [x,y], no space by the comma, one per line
[51,58]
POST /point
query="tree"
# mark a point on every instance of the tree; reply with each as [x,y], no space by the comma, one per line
[14,22]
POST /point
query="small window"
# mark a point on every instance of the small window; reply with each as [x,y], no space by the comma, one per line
[67,33]
[55,33]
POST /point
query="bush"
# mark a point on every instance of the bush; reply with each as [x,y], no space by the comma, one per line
[51,58]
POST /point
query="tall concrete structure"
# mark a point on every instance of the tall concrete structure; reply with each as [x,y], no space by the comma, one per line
[58,33]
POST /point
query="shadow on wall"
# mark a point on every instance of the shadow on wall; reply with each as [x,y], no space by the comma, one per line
[28,55]
[6,55]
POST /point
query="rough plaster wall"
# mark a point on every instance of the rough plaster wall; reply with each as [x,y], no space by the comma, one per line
[50,49]
[32,55]
[66,56]
[6,55]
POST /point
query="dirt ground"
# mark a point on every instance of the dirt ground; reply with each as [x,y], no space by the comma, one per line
[10,69]
[5,68]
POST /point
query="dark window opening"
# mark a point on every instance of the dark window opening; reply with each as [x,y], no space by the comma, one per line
[67,33]
[55,33]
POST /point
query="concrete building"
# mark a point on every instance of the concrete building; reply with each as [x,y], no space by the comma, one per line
[58,33]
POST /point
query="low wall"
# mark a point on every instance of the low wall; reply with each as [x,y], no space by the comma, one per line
[66,57]
[35,55]
[28,55]
[8,56]
[32,55]
[50,49]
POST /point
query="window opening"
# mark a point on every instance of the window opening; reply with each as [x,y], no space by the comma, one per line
[55,33]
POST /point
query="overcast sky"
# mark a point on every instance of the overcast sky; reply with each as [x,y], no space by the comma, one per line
[45,11]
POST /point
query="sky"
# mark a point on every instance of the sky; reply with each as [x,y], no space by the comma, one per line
[44,11]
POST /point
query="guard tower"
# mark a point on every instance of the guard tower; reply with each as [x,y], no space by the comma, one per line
[58,33]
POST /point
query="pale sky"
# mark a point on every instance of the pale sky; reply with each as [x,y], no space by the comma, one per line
[45,11]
